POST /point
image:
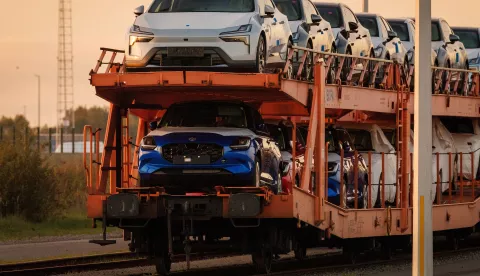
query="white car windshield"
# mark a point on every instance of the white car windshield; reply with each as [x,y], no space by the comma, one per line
[331,15]
[370,23]
[167,6]
[401,29]
[291,8]
[205,115]
[469,38]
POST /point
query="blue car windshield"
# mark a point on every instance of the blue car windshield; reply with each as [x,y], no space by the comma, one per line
[290,8]
[470,38]
[331,15]
[166,6]
[401,29]
[205,115]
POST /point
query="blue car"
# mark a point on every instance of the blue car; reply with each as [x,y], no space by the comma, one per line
[338,138]
[200,145]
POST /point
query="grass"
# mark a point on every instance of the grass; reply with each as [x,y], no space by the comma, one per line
[74,223]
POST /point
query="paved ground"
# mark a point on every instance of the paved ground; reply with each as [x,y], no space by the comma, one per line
[58,249]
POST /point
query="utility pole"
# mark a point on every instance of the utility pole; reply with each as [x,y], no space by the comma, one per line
[365,5]
[38,77]
[422,154]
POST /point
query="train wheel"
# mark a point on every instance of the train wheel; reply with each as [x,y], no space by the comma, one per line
[350,254]
[262,260]
[300,251]
[163,265]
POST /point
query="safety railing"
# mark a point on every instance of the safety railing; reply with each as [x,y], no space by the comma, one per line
[112,65]
[92,166]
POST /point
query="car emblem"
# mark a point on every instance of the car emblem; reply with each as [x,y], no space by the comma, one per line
[192,139]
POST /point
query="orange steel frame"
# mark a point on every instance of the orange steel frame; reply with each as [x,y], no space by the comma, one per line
[276,97]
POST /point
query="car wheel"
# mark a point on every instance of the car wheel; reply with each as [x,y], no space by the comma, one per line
[261,55]
[445,79]
[256,173]
[289,72]
[333,67]
[308,65]
[347,64]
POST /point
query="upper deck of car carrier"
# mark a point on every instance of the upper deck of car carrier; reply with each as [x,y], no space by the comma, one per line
[289,96]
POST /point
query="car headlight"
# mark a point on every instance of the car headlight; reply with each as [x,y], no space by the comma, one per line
[148,143]
[242,29]
[378,51]
[139,30]
[474,61]
[245,39]
[134,39]
[241,143]
[332,166]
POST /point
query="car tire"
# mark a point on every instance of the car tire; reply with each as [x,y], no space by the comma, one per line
[333,67]
[309,63]
[289,73]
[346,65]
[261,58]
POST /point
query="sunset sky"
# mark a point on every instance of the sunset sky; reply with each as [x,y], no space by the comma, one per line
[29,42]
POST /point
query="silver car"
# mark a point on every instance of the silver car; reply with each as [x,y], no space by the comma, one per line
[225,34]
[350,36]
[450,50]
[405,29]
[470,37]
[309,29]
[386,43]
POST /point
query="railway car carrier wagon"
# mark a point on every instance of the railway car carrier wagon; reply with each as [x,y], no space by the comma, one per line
[257,217]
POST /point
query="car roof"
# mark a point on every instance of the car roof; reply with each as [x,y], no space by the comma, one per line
[436,19]
[325,4]
[231,102]
[367,14]
[399,19]
[466,28]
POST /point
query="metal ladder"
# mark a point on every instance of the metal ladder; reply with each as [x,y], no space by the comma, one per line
[403,156]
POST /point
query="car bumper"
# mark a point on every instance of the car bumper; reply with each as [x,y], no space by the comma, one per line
[217,53]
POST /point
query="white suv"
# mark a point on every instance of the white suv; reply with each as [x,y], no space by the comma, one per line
[200,34]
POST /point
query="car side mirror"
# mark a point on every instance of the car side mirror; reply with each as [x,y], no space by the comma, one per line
[139,10]
[152,125]
[391,34]
[353,26]
[454,38]
[316,19]
[269,11]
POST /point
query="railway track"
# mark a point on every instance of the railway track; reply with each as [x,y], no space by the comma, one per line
[94,263]
[329,262]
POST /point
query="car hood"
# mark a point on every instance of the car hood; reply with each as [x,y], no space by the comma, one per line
[192,20]
[462,140]
[473,53]
[209,130]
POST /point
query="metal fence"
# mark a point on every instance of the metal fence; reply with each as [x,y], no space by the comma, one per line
[47,141]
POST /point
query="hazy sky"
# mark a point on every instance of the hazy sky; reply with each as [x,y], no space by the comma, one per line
[29,41]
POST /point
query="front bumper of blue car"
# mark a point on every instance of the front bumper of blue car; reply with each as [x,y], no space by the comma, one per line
[219,165]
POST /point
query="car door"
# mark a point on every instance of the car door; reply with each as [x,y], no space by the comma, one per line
[318,36]
[270,31]
[277,41]
[453,50]
[355,37]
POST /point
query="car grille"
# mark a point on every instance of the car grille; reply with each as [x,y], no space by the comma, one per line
[211,58]
[213,150]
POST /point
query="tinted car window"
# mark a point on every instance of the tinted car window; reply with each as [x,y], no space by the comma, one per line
[202,6]
[470,38]
[277,134]
[436,36]
[401,29]
[362,139]
[332,14]
[371,24]
[458,125]
[205,115]
[291,8]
